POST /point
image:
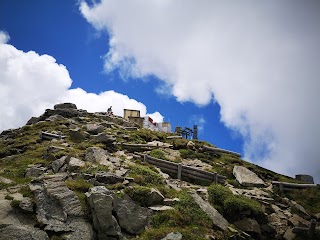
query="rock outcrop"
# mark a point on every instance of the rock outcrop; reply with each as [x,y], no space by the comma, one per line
[247,178]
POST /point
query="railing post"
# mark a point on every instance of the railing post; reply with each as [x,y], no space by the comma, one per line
[145,158]
[215,176]
[179,171]
[281,187]
[312,227]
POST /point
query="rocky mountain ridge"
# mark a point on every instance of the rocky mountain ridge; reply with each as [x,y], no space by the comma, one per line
[70,174]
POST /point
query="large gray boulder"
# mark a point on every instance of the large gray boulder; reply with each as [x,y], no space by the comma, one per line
[94,128]
[57,164]
[173,236]
[108,178]
[131,217]
[58,208]
[75,164]
[76,135]
[35,170]
[100,200]
[248,225]
[154,197]
[104,138]
[101,156]
[20,232]
[217,219]
[247,178]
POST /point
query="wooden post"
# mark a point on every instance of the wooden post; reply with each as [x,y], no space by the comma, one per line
[179,171]
[281,187]
[215,178]
[312,227]
[145,160]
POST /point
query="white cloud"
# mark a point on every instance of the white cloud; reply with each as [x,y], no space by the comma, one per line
[258,59]
[156,117]
[30,83]
[4,37]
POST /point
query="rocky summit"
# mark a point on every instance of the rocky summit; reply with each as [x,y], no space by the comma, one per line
[70,174]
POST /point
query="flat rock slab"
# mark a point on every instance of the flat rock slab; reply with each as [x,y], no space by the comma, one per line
[217,219]
[247,178]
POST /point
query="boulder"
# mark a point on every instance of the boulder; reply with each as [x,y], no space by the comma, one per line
[104,138]
[101,156]
[298,209]
[75,164]
[55,118]
[248,225]
[100,200]
[57,164]
[217,219]
[65,106]
[58,208]
[173,236]
[297,221]
[154,197]
[94,128]
[131,217]
[289,235]
[20,232]
[108,178]
[35,170]
[76,135]
[247,178]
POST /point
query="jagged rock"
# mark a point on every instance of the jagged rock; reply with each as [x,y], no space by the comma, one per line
[297,221]
[35,171]
[94,128]
[75,164]
[19,232]
[247,178]
[100,200]
[131,217]
[57,164]
[65,106]
[317,216]
[154,197]
[298,209]
[58,208]
[248,225]
[217,219]
[55,118]
[32,120]
[100,156]
[26,204]
[104,138]
[170,202]
[108,178]
[173,236]
[277,224]
[76,135]
[107,124]
[6,180]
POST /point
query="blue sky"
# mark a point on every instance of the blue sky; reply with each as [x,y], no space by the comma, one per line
[248,70]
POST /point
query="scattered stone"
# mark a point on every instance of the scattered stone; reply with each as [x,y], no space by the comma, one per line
[108,178]
[170,202]
[75,164]
[35,170]
[6,180]
[173,236]
[55,117]
[19,232]
[217,219]
[247,178]
[297,221]
[298,209]
[107,124]
[94,128]
[248,225]
[96,155]
[289,235]
[158,208]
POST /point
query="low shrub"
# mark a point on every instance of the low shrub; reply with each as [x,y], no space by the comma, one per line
[79,185]
[145,176]
[138,194]
[218,194]
[157,153]
[236,204]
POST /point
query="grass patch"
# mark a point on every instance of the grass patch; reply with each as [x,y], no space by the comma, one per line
[157,153]
[93,169]
[218,194]
[138,194]
[145,176]
[78,185]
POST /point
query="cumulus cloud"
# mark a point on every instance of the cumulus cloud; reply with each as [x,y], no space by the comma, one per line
[257,59]
[156,117]
[31,83]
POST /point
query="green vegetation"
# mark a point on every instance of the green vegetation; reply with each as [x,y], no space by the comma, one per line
[233,205]
[8,197]
[157,153]
[15,203]
[308,198]
[186,218]
[138,194]
[93,169]
[80,185]
[145,176]
[145,135]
